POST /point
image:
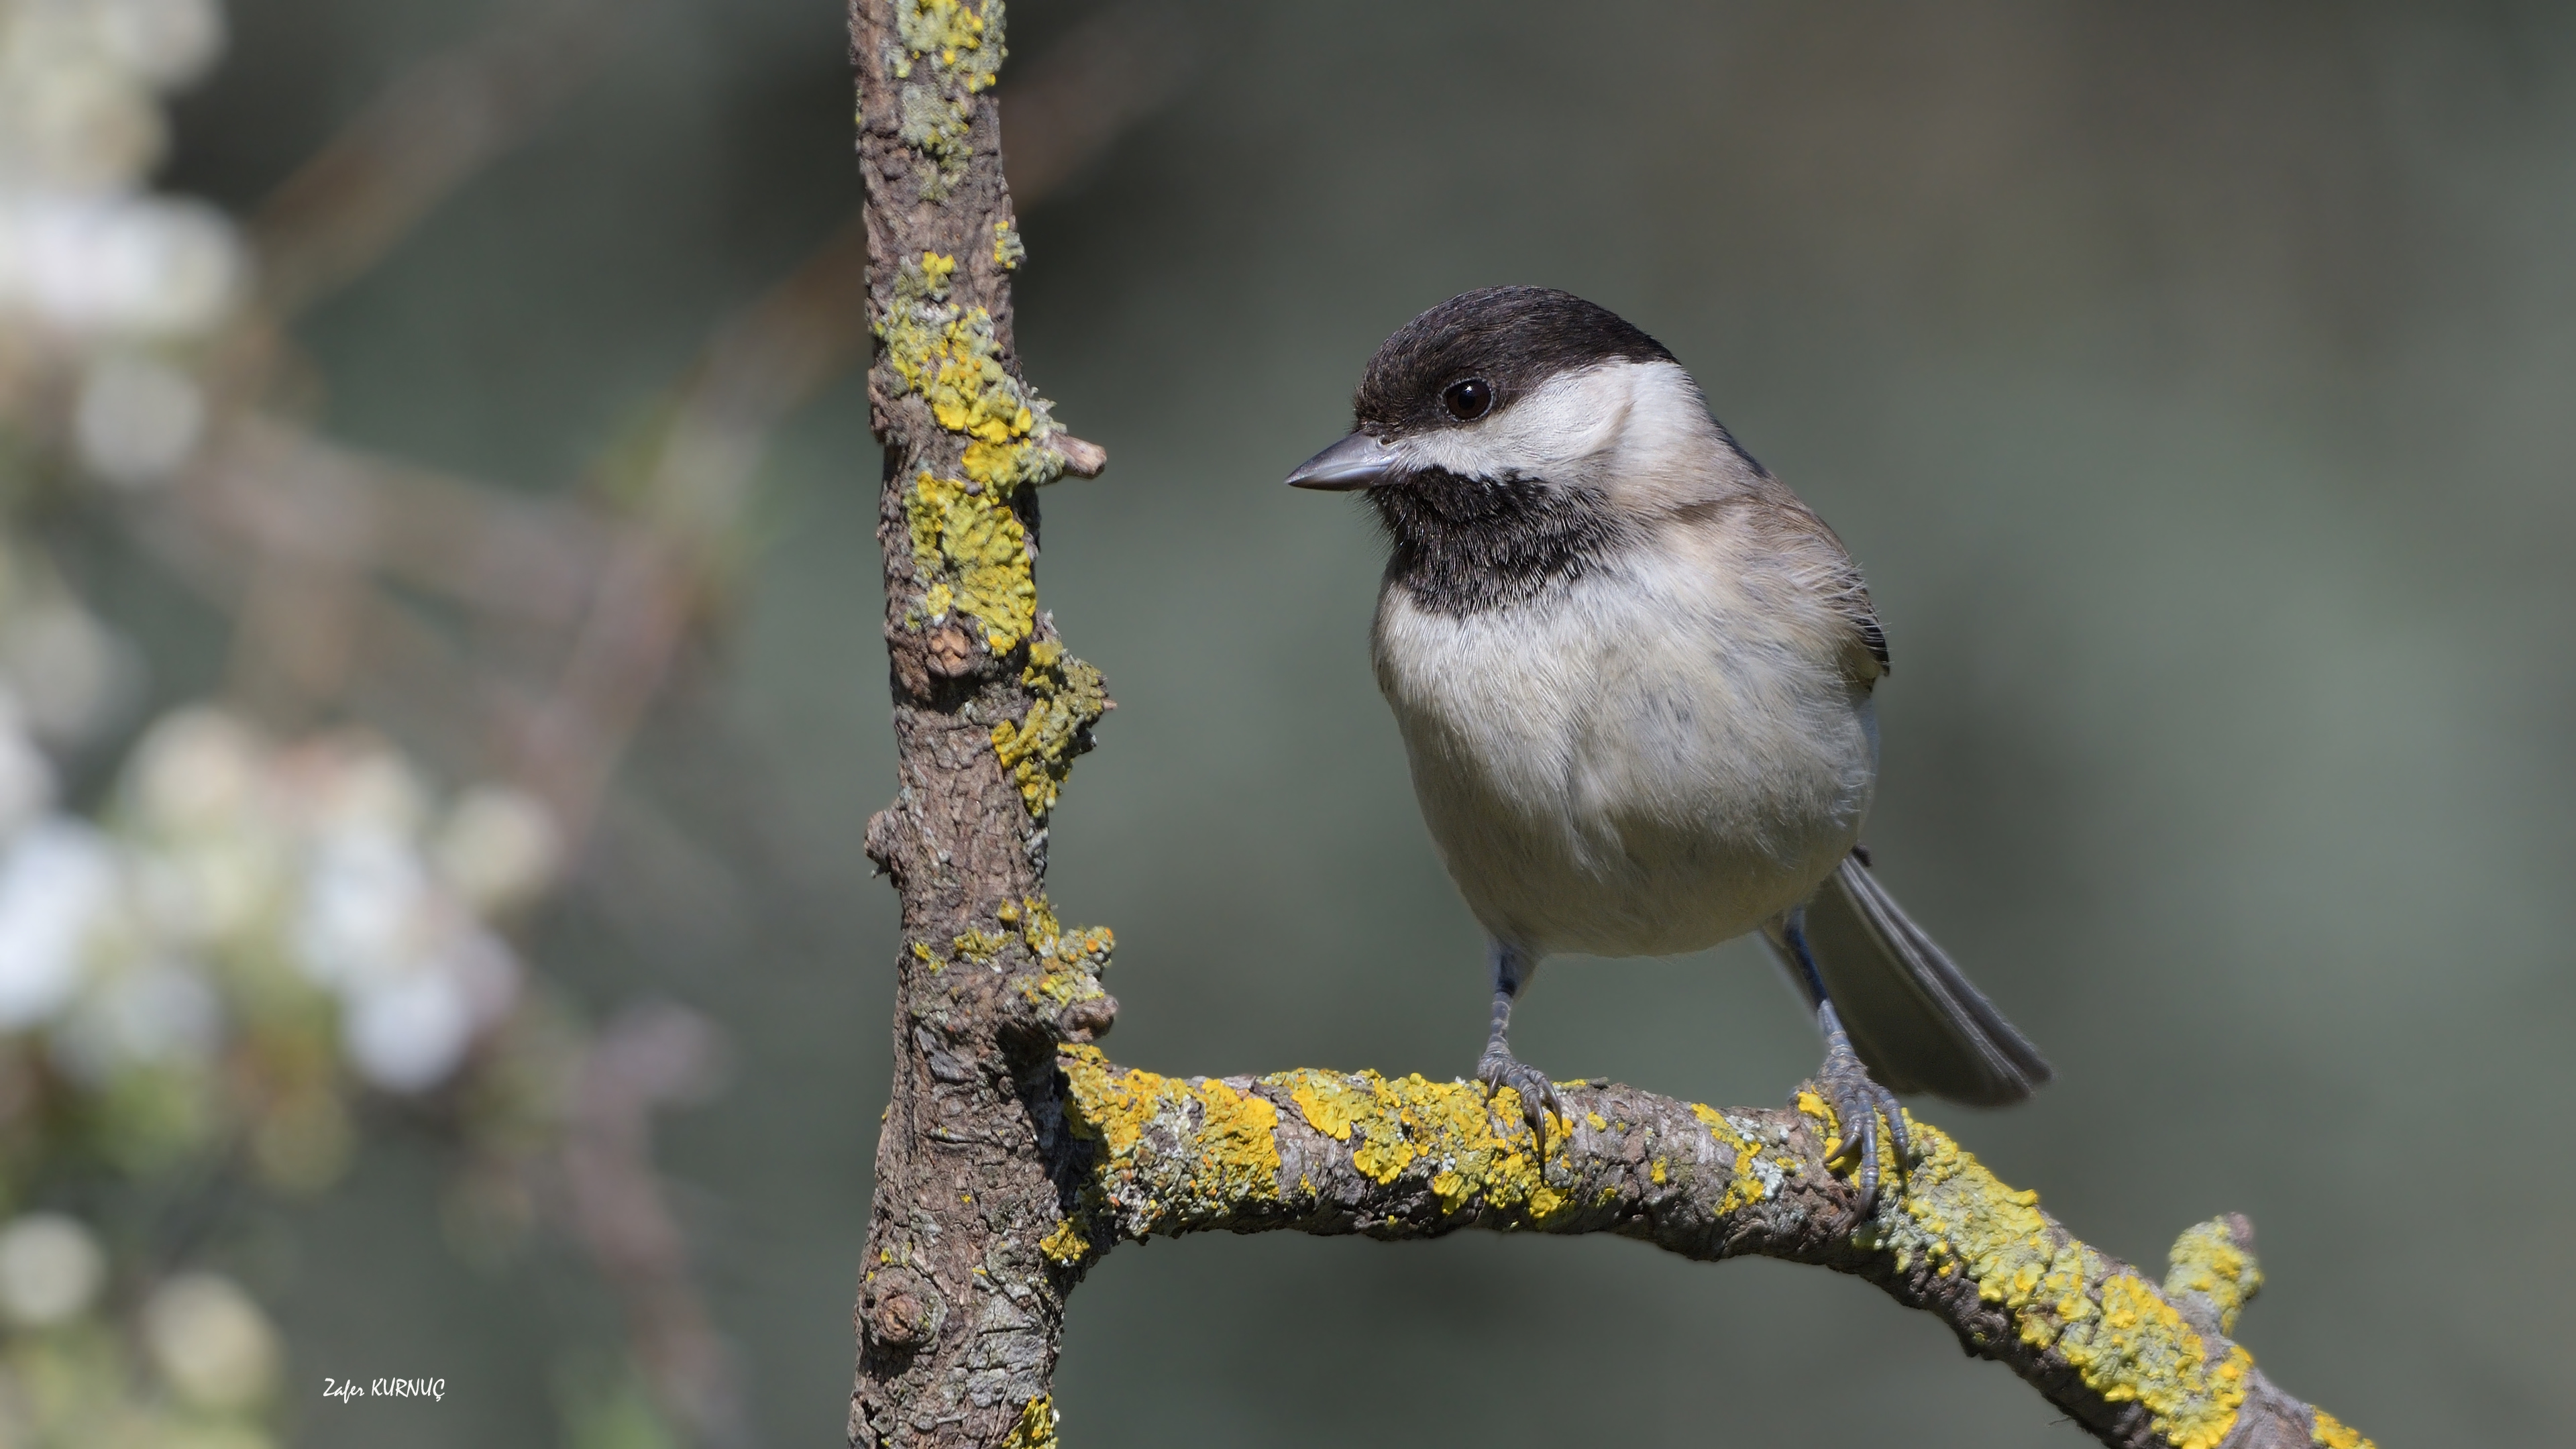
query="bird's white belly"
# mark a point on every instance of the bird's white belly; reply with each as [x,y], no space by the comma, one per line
[1626,769]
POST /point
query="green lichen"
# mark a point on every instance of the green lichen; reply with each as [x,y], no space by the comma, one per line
[1008,251]
[947,53]
[2206,1260]
[1067,698]
[1035,1428]
[2121,1337]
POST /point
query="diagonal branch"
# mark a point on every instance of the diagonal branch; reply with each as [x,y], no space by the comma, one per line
[2136,1363]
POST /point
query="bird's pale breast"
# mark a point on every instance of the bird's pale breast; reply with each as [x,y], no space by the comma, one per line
[1646,761]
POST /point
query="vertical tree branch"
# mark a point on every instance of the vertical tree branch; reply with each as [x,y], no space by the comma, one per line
[959,1311]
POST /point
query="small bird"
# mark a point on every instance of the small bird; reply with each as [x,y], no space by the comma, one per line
[1633,673]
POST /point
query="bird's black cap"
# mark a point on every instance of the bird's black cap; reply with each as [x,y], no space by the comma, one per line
[1515,338]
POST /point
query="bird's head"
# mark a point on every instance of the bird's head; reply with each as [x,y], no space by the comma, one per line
[1522,388]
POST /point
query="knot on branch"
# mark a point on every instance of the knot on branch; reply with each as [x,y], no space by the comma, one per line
[2211,1273]
[1043,978]
[899,1310]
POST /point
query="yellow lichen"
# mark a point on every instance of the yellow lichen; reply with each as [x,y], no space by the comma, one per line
[969,548]
[1814,1106]
[1478,1152]
[978,945]
[1328,1102]
[2123,1339]
[952,357]
[1745,1182]
[2206,1260]
[976,551]
[2330,1432]
[1035,1428]
[1237,1156]
[1069,962]
[1065,1245]
[1039,748]
[1008,250]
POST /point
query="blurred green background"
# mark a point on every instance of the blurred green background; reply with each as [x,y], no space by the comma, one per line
[2193,382]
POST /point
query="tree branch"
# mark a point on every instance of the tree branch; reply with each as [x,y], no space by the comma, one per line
[1014,1155]
[2137,1364]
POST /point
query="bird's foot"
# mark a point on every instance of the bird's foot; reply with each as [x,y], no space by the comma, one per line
[1859,1102]
[1500,1069]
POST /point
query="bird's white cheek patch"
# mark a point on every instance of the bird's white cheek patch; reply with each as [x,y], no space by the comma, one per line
[1560,433]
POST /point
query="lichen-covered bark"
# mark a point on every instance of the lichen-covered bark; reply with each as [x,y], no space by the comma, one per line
[2142,1365]
[1013,1155]
[959,1312]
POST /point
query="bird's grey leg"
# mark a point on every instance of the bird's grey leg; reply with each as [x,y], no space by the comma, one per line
[1513,968]
[1858,1100]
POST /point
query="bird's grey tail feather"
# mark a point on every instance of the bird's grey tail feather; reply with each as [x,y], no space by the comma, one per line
[1916,1022]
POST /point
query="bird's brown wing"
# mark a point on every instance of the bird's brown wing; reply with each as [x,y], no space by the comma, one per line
[1789,528]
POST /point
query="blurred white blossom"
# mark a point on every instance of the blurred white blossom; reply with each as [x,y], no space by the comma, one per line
[121,265]
[83,250]
[57,882]
[154,1013]
[138,419]
[26,776]
[50,1270]
[211,1341]
[498,848]
[166,42]
[196,771]
[69,674]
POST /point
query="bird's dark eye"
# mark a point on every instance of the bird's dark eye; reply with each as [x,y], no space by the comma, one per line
[1469,400]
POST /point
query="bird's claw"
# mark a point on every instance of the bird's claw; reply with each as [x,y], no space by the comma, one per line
[1859,1102]
[1500,1069]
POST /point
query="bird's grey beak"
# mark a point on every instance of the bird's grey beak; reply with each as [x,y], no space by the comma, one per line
[1358,461]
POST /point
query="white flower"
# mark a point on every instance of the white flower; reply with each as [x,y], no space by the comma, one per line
[72,675]
[197,770]
[57,881]
[138,419]
[497,849]
[26,778]
[154,1013]
[50,1269]
[211,1341]
[208,890]
[166,42]
[367,905]
[351,784]
[146,266]
[408,1033]
[74,122]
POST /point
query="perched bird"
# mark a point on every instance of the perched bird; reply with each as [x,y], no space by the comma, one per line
[1633,673]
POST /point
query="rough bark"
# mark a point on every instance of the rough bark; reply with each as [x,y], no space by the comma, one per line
[1013,1155]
